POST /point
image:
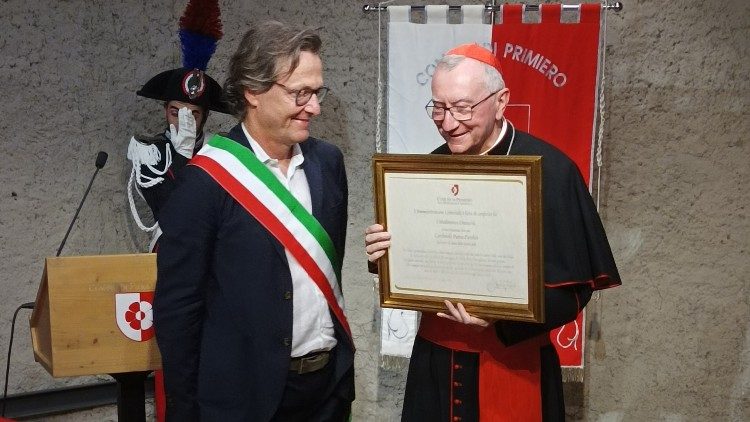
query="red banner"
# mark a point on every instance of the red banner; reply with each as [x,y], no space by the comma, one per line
[551,69]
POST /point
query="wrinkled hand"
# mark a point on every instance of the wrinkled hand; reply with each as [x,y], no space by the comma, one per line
[183,137]
[377,240]
[458,314]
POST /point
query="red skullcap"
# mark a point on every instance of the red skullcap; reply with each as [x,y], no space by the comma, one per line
[476,52]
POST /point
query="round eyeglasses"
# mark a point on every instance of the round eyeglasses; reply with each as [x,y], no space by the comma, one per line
[302,96]
[436,111]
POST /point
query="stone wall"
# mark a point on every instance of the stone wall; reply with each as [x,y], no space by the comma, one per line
[674,342]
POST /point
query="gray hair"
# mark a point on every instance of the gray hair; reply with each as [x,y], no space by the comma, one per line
[256,65]
[493,80]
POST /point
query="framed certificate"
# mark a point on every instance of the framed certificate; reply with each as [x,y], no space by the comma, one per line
[463,228]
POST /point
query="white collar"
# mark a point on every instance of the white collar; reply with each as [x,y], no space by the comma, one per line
[297,157]
[499,138]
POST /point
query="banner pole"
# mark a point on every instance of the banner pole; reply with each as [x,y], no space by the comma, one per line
[493,8]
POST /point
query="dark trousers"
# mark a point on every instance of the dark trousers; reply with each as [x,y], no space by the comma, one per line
[305,399]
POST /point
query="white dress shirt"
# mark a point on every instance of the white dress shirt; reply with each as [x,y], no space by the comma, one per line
[312,328]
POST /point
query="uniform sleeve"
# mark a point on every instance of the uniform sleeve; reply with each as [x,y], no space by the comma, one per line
[189,222]
[156,196]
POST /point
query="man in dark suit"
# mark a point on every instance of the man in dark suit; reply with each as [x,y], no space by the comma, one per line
[248,307]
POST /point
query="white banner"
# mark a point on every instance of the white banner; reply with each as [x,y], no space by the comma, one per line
[413,50]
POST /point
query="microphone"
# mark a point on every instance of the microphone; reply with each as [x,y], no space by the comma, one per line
[101,160]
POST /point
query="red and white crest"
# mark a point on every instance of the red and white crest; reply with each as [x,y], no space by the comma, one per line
[193,84]
[135,315]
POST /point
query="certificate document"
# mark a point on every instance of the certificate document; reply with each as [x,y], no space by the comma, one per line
[466,229]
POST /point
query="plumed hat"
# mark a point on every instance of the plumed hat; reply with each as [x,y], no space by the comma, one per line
[200,30]
[191,86]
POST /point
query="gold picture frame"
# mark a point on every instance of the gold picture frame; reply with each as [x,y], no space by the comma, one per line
[464,228]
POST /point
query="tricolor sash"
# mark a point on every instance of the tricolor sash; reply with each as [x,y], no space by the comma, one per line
[236,169]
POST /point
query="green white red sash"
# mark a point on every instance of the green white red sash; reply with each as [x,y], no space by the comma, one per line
[253,186]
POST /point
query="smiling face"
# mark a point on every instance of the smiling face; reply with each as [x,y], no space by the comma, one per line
[465,85]
[273,118]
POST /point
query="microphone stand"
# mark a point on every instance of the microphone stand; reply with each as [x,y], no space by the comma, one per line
[101,160]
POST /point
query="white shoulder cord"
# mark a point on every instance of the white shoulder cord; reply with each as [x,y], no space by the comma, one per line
[149,156]
[133,209]
[142,154]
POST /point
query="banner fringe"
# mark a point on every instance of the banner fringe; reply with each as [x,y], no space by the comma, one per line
[394,363]
[572,374]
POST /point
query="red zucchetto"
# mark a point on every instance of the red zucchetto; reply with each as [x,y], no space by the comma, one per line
[476,52]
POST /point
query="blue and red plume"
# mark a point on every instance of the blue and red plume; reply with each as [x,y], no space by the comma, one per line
[200,30]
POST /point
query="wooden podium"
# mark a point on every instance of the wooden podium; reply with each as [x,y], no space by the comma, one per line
[75,329]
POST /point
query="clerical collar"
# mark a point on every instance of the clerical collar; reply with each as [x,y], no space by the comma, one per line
[499,138]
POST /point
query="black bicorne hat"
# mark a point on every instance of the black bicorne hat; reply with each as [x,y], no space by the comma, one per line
[191,86]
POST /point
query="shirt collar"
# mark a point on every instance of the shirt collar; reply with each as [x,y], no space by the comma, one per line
[260,153]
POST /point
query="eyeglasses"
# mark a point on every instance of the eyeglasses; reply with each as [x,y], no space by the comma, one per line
[302,96]
[436,111]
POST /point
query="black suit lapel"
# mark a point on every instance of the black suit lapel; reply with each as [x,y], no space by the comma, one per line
[237,134]
[314,176]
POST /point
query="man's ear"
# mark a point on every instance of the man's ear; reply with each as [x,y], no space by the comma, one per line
[251,98]
[501,102]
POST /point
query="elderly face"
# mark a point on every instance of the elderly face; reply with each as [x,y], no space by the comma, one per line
[464,85]
[274,119]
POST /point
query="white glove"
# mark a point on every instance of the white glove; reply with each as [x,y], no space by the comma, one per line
[183,139]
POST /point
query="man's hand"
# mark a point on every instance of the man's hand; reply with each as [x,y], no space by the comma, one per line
[458,314]
[377,240]
[183,137]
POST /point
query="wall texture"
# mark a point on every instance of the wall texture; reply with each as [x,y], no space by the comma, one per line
[674,341]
